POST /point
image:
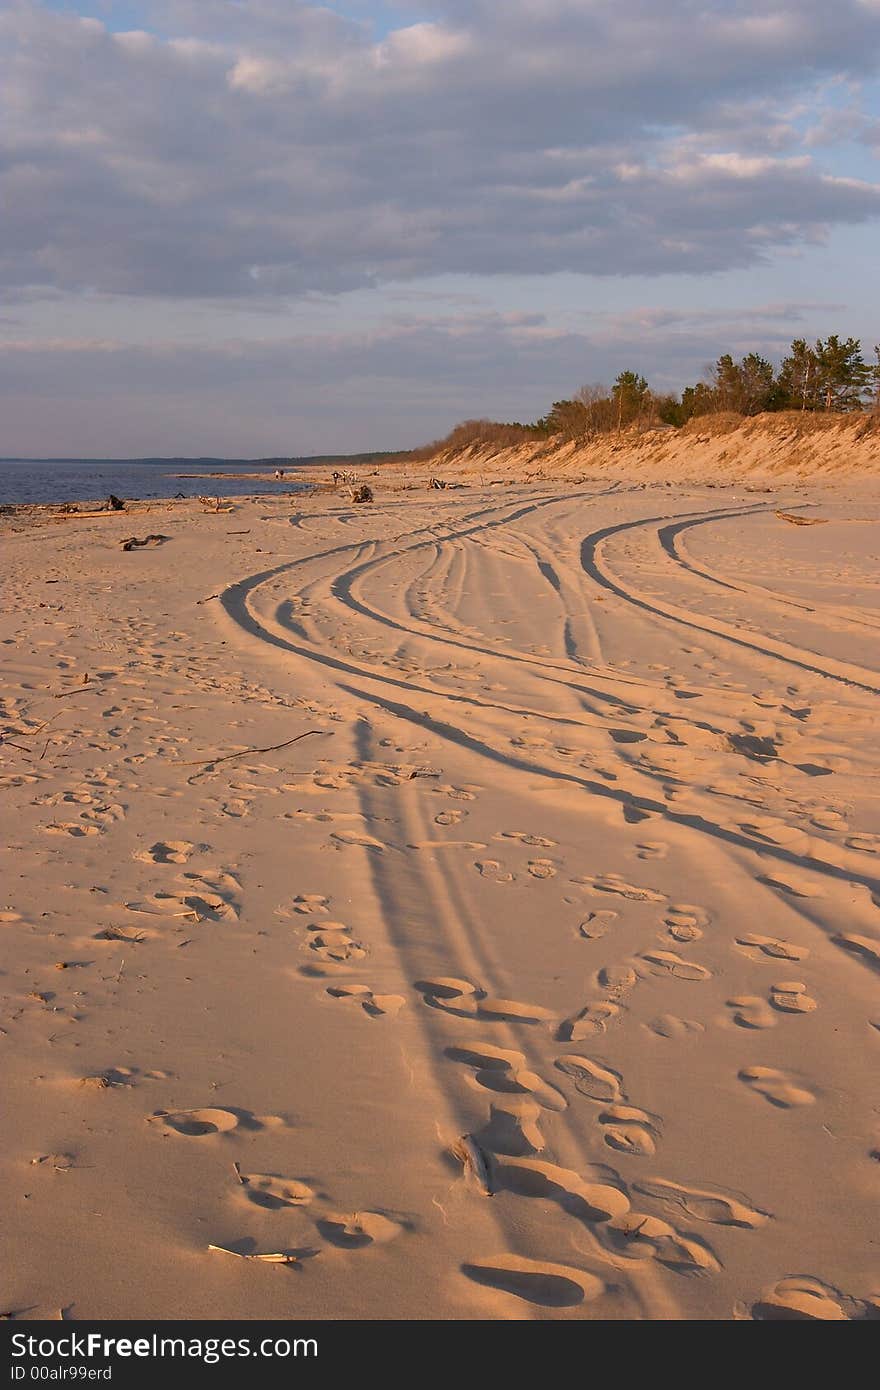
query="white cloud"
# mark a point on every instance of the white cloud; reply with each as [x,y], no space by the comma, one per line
[399,383]
[276,148]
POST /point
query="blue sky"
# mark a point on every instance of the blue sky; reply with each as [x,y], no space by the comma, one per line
[265,227]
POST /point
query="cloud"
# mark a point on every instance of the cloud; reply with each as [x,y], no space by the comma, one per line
[277,148]
[394,386]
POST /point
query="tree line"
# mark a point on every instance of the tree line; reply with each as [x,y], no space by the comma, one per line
[830,376]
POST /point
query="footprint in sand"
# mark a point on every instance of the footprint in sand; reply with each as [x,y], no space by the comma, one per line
[590,1022]
[450,817]
[492,869]
[108,1078]
[467,1000]
[200,901]
[593,1079]
[597,924]
[197,1124]
[512,1128]
[652,849]
[804,1299]
[319,817]
[705,1204]
[647,1237]
[446,844]
[868,844]
[541,868]
[311,903]
[668,963]
[78,796]
[796,886]
[791,997]
[455,793]
[505,1072]
[17,779]
[617,979]
[335,947]
[76,829]
[359,1229]
[588,1201]
[865,946]
[374,1005]
[535,1281]
[525,838]
[675,1028]
[777,832]
[829,820]
[771,946]
[613,883]
[357,838]
[776,1087]
[166,852]
[273,1192]
[685,922]
[630,1130]
[751,1012]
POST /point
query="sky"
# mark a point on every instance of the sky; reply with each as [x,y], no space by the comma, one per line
[262,227]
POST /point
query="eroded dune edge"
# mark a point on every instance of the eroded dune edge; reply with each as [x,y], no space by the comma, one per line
[537,978]
[716,449]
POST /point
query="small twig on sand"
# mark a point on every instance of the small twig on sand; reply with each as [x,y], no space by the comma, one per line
[423,772]
[206,600]
[245,752]
[121,968]
[154,538]
[45,751]
[32,733]
[237,1171]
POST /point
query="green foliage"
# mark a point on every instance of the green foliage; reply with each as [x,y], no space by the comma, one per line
[829,377]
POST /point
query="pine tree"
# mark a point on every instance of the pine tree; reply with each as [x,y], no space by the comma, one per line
[630,392]
[843,375]
[756,383]
[874,379]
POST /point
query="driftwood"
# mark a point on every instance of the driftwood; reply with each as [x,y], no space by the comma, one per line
[362,493]
[281,1258]
[246,752]
[475,1162]
[802,520]
[115,504]
[132,542]
[72,514]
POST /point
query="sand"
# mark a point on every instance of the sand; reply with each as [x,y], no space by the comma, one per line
[575,854]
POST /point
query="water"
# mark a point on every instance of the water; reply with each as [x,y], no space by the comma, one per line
[92,480]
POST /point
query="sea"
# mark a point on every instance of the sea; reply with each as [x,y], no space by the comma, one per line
[93,480]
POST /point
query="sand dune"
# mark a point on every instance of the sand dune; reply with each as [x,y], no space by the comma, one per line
[578,859]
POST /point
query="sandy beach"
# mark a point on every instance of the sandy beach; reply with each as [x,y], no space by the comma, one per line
[471,897]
